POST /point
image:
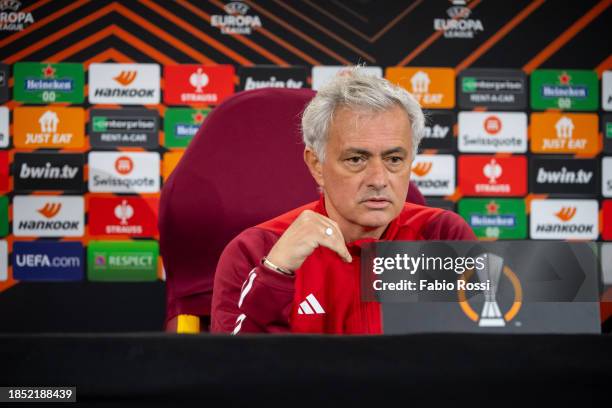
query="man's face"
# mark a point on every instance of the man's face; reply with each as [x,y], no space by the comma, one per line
[366,172]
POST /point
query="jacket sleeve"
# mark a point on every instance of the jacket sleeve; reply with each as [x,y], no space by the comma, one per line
[247,297]
[448,226]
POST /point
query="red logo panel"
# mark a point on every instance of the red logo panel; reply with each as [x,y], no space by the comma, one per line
[133,216]
[4,170]
[606,233]
[197,84]
[493,176]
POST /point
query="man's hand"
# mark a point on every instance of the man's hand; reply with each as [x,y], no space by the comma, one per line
[304,235]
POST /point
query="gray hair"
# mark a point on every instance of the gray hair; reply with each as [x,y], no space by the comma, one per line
[355,89]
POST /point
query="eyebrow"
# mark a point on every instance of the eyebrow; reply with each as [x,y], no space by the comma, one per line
[368,153]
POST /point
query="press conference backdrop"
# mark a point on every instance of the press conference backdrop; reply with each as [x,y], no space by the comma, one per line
[518,142]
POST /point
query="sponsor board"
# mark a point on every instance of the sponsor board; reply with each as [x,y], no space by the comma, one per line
[606,177]
[37,82]
[133,216]
[48,261]
[122,260]
[48,171]
[181,125]
[124,84]
[606,91]
[11,18]
[434,175]
[606,264]
[438,132]
[495,218]
[48,216]
[322,74]
[236,20]
[135,127]
[564,89]
[566,133]
[272,77]
[492,88]
[492,132]
[434,88]
[606,131]
[493,176]
[198,84]
[4,126]
[459,22]
[606,232]
[564,219]
[4,80]
[48,127]
[4,216]
[171,159]
[563,176]
[4,170]
[3,260]
[441,203]
[123,172]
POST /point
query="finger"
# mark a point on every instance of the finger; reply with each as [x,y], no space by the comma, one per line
[335,241]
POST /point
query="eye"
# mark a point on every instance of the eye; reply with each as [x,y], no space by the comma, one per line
[355,160]
[395,160]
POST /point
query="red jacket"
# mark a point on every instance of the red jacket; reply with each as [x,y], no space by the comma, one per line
[324,296]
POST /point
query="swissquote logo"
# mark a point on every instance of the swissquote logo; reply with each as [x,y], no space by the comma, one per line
[48,216]
[606,180]
[564,219]
[310,306]
[236,19]
[198,84]
[126,84]
[434,174]
[493,176]
[492,132]
[124,172]
[135,216]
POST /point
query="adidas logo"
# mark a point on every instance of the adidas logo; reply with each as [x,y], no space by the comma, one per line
[310,306]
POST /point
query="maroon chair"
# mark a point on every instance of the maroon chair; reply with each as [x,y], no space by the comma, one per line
[244,166]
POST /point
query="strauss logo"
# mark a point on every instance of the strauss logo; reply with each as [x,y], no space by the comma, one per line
[124,212]
[492,171]
[566,213]
[422,168]
[198,80]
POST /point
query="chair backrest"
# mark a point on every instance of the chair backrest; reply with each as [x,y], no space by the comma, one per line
[244,166]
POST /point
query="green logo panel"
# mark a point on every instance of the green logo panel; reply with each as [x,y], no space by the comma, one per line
[48,83]
[4,216]
[122,261]
[564,89]
[181,125]
[495,218]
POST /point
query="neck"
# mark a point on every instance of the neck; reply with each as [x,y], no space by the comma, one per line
[351,231]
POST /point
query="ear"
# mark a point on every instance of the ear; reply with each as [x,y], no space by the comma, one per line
[315,166]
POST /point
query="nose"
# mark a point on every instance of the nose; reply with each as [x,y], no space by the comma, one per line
[377,176]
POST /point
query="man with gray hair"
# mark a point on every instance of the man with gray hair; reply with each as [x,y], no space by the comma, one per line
[299,272]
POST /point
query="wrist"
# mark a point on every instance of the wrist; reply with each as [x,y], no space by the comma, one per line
[276,268]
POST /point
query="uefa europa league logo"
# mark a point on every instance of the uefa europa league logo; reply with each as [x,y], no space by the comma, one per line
[491,315]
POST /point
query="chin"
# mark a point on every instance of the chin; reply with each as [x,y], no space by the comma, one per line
[375,219]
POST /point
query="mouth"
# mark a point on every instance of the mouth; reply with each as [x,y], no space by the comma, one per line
[377,203]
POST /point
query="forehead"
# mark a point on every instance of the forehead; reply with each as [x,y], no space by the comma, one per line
[359,127]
